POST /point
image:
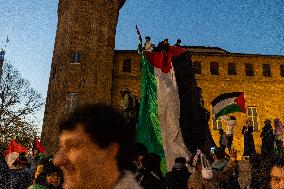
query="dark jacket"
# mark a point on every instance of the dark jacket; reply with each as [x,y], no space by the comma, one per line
[4,173]
[20,179]
[151,180]
[177,178]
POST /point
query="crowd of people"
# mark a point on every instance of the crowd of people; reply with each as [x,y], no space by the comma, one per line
[272,140]
[97,150]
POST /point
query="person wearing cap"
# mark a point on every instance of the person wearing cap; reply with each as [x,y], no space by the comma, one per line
[178,177]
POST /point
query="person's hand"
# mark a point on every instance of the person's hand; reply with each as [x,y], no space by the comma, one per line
[233,155]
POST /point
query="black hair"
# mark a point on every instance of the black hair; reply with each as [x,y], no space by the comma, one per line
[219,153]
[233,118]
[151,162]
[180,160]
[279,162]
[140,149]
[148,37]
[105,126]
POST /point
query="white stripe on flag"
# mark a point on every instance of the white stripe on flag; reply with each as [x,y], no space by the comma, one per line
[169,113]
[222,104]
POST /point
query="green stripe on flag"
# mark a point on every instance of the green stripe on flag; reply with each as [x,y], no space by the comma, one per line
[148,131]
[229,109]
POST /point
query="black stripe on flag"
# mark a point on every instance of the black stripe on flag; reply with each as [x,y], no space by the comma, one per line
[225,96]
[193,117]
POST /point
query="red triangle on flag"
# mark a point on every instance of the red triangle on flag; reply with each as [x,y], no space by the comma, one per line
[15,147]
[240,100]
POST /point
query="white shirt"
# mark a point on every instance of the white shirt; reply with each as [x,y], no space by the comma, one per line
[148,46]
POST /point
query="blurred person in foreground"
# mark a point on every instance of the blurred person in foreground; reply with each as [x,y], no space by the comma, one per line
[277,174]
[95,144]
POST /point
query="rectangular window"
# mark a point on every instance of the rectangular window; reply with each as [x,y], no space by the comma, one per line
[249,69]
[214,68]
[75,57]
[232,69]
[217,124]
[266,70]
[252,114]
[127,65]
[53,73]
[282,70]
[71,101]
[197,67]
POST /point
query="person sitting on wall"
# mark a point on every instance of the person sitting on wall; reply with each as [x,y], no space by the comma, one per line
[148,44]
[178,43]
[163,46]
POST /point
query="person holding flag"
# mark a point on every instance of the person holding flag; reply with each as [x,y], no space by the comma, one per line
[231,122]
[171,122]
[13,151]
[19,165]
[38,150]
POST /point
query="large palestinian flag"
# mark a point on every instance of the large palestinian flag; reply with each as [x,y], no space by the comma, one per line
[170,120]
[228,103]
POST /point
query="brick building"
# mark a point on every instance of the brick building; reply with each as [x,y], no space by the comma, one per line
[260,77]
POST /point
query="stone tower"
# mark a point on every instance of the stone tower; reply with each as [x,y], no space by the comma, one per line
[82,63]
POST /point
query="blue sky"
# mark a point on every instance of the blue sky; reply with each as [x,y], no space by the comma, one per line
[242,26]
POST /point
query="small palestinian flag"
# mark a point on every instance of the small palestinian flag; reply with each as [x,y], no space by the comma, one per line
[12,153]
[228,103]
[37,145]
